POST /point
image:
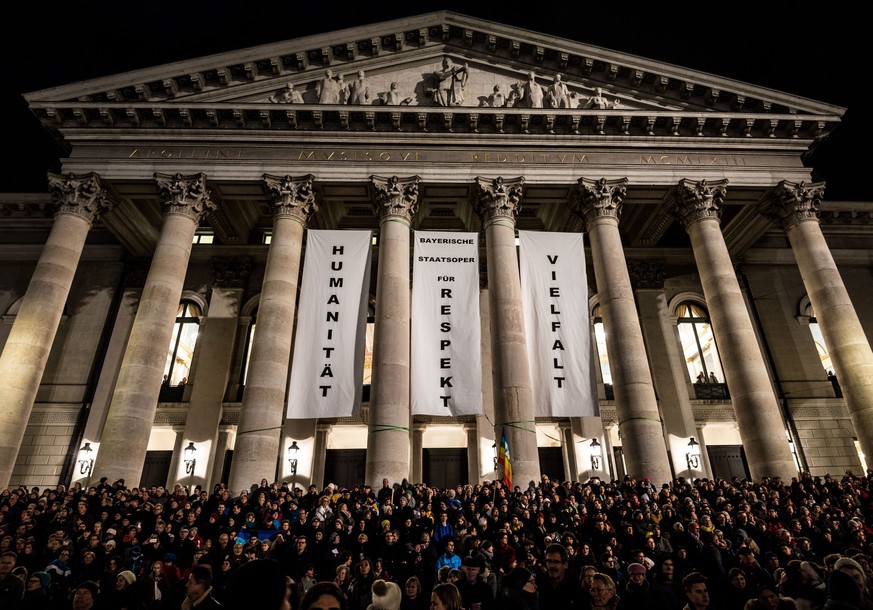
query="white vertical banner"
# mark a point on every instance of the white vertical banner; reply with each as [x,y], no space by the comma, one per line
[446,354]
[554,292]
[327,368]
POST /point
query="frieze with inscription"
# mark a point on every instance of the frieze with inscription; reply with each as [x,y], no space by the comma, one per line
[474,156]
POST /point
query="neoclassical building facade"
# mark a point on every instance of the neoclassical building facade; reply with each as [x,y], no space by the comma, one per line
[150,303]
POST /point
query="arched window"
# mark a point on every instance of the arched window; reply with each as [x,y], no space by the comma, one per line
[698,345]
[824,356]
[181,351]
[247,354]
[602,355]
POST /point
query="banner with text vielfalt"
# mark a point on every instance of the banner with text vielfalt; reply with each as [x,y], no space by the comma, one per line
[555,299]
[327,367]
[446,353]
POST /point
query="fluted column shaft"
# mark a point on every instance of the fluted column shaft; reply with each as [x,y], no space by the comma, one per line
[396,202]
[639,420]
[795,208]
[256,452]
[80,199]
[131,414]
[698,207]
[498,204]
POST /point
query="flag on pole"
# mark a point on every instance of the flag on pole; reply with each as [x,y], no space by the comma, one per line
[503,460]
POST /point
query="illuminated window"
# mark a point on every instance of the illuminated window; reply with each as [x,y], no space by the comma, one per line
[698,344]
[824,355]
[181,351]
[247,355]
[268,238]
[204,237]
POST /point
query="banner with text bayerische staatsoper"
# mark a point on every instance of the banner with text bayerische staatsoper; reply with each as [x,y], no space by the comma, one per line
[327,367]
[446,376]
[554,292]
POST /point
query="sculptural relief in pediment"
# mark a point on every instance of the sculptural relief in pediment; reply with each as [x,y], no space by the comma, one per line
[451,82]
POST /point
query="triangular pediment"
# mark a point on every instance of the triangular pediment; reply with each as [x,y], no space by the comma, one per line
[410,52]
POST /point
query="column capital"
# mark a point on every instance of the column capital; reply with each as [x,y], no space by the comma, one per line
[185,195]
[291,197]
[599,199]
[791,202]
[79,194]
[693,201]
[498,198]
[395,197]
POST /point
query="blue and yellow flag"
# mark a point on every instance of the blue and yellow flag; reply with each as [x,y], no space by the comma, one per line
[503,460]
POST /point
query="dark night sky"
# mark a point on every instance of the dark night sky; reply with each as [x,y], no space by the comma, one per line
[815,54]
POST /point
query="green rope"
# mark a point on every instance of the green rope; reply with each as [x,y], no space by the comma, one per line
[389,428]
[258,430]
[513,424]
[654,419]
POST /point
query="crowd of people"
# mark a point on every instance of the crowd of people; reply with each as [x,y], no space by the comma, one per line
[695,545]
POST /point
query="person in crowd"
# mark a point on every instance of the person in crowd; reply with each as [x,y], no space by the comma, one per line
[768,598]
[445,596]
[324,596]
[603,593]
[11,587]
[696,591]
[198,590]
[556,588]
[738,591]
[386,595]
[414,597]
[260,584]
[85,596]
[637,591]
[519,590]
[36,594]
[476,594]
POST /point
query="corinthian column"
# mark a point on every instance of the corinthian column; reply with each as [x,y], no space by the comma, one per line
[80,200]
[256,453]
[128,425]
[639,421]
[795,207]
[396,202]
[697,205]
[497,203]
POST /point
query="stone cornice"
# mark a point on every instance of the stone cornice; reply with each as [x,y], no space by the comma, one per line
[141,116]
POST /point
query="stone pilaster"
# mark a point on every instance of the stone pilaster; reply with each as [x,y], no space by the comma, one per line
[185,199]
[666,361]
[258,435]
[794,207]
[80,200]
[697,205]
[497,202]
[640,427]
[395,203]
[215,341]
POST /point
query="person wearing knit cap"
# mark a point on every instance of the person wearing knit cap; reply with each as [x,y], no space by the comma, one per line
[386,596]
[36,593]
[637,592]
[851,567]
[85,595]
[519,590]
[476,594]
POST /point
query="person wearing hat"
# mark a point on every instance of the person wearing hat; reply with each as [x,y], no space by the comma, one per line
[637,592]
[386,596]
[519,590]
[85,596]
[476,594]
[36,593]
[849,566]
